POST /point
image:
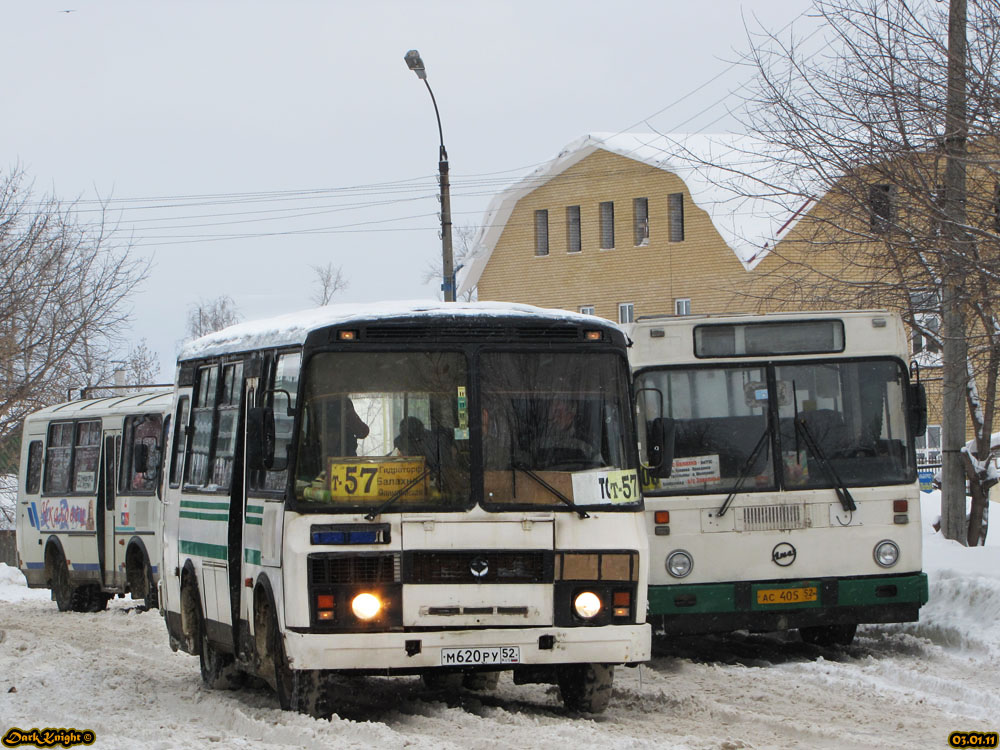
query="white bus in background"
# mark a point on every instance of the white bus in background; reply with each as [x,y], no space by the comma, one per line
[444,490]
[792,496]
[88,511]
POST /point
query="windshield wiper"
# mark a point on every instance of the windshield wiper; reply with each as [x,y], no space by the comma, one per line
[745,471]
[839,487]
[372,514]
[579,511]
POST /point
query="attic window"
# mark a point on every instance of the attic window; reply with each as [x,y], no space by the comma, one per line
[542,232]
[880,207]
[640,213]
[573,229]
[607,225]
[675,216]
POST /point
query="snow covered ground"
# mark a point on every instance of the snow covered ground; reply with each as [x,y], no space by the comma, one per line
[902,686]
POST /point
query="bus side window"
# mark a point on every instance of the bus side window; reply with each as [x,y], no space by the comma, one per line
[58,458]
[141,455]
[180,439]
[34,479]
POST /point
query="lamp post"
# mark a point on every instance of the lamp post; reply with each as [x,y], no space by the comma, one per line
[415,64]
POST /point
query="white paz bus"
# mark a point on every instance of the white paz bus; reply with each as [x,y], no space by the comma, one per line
[88,511]
[446,490]
[787,494]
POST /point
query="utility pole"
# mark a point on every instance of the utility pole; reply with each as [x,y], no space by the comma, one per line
[955,375]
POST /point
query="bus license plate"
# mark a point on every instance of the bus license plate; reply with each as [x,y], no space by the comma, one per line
[484,655]
[787,596]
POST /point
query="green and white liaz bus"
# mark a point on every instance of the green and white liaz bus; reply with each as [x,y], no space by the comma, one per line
[444,490]
[787,494]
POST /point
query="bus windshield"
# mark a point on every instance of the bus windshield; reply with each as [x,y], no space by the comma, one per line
[399,429]
[836,422]
[384,426]
[555,429]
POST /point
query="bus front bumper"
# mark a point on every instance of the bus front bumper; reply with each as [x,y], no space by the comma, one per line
[723,607]
[405,652]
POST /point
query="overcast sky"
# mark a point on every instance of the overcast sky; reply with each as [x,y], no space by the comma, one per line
[242,142]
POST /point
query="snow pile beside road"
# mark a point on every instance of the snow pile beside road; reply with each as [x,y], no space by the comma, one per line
[14,588]
[964,607]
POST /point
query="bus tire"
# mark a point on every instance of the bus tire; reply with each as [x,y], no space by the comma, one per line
[62,592]
[586,687]
[90,599]
[140,578]
[829,635]
[297,689]
[218,669]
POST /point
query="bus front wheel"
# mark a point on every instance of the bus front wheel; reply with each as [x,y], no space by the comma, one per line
[586,687]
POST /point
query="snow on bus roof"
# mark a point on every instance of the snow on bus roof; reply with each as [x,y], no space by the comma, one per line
[292,328]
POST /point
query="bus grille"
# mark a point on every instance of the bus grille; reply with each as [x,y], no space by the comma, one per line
[456,567]
[773,518]
[326,570]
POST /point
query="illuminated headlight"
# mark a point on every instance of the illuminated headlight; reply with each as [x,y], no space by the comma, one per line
[679,564]
[365,606]
[587,604]
[886,553]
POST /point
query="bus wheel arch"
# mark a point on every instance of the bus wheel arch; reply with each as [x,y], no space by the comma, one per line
[296,689]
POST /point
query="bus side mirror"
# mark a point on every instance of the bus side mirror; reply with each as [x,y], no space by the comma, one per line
[918,409]
[140,458]
[260,438]
[660,439]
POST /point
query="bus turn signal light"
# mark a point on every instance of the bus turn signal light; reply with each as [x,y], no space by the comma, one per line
[662,516]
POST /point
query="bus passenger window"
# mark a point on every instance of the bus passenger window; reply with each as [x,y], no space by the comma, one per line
[180,438]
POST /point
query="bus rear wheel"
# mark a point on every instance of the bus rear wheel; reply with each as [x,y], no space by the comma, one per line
[62,592]
[829,635]
[586,687]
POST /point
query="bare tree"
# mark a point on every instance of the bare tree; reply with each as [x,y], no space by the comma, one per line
[64,287]
[465,243]
[212,315]
[857,131]
[329,280]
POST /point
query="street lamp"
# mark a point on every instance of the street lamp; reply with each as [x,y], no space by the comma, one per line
[415,64]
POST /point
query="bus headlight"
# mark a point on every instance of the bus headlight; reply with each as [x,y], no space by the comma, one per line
[366,606]
[886,553]
[679,563]
[587,604]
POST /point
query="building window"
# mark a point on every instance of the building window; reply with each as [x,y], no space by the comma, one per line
[675,215]
[682,307]
[573,229]
[926,321]
[929,446]
[626,312]
[640,213]
[996,207]
[607,225]
[880,207]
[587,309]
[542,232]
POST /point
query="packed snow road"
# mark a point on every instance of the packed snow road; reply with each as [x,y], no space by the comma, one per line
[906,687]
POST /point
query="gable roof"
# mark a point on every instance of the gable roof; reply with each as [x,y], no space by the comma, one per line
[719,170]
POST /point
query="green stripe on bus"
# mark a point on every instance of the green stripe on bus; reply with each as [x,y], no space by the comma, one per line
[255,509]
[203,516]
[208,505]
[252,556]
[215,551]
[255,521]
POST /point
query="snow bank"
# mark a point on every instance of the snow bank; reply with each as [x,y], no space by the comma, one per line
[964,606]
[14,587]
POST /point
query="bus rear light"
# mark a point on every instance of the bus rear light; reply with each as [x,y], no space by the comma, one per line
[900,506]
[662,516]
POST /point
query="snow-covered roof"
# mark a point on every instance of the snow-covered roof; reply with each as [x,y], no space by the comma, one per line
[293,328]
[721,172]
[143,401]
